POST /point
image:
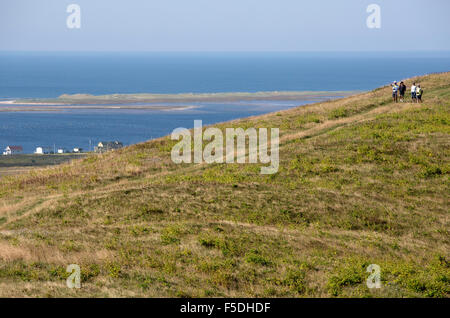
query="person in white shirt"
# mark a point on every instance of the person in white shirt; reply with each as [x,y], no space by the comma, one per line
[394,92]
[413,93]
[419,93]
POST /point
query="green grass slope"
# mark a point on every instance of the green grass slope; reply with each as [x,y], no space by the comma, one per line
[361,181]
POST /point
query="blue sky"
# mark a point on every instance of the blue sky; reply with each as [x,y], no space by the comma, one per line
[224,25]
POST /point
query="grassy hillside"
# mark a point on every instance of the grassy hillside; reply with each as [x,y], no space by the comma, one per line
[36,160]
[361,181]
[12,165]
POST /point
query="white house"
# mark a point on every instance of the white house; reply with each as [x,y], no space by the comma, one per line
[12,150]
[77,150]
[62,150]
[39,151]
[42,150]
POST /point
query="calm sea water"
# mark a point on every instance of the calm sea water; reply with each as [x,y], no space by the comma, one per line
[28,75]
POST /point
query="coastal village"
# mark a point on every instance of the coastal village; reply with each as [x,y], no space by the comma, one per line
[102,146]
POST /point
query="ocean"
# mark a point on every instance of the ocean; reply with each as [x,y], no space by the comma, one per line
[51,74]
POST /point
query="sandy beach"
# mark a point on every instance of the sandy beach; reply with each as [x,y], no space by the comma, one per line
[122,99]
[150,101]
[56,108]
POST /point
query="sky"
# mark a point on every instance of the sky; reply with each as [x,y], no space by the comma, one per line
[224,25]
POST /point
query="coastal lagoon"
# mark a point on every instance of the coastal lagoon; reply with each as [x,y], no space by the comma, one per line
[83,128]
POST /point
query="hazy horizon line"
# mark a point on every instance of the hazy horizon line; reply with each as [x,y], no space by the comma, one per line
[232,51]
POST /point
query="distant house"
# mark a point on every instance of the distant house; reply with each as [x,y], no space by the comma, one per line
[62,150]
[77,150]
[104,146]
[12,150]
[43,150]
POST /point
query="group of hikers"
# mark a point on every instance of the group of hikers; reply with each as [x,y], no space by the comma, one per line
[416,92]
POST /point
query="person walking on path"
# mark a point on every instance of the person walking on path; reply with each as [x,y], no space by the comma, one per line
[395,92]
[402,90]
[419,93]
[413,93]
